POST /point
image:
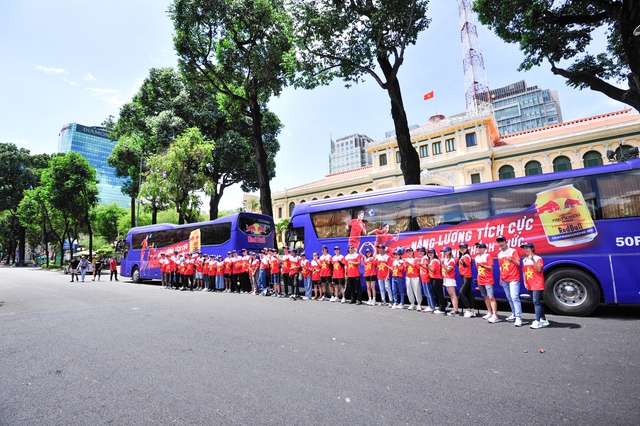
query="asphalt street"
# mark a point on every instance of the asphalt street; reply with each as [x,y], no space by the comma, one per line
[119,353]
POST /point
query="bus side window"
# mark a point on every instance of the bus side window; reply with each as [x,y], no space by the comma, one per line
[620,195]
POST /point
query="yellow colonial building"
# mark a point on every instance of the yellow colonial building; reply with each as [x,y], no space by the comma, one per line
[467,148]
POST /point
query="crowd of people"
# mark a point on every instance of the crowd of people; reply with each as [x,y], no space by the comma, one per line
[420,274]
[80,266]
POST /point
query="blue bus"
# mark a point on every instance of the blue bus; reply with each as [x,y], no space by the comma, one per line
[143,244]
[585,223]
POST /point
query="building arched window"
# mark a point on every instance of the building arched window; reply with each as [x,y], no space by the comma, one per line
[314,199]
[302,201]
[354,192]
[326,196]
[506,172]
[561,163]
[532,168]
[369,190]
[592,159]
[291,206]
[340,195]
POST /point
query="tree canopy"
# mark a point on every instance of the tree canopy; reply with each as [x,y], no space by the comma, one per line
[350,40]
[563,33]
[236,48]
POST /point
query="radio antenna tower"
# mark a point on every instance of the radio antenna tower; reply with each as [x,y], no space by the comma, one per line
[475,78]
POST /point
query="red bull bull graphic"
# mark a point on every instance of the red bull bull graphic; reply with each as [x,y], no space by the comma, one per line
[567,226]
[256,229]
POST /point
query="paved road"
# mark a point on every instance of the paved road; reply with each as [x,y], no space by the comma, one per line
[120,353]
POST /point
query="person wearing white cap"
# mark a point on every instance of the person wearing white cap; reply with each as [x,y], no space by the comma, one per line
[509,262]
[484,264]
[532,265]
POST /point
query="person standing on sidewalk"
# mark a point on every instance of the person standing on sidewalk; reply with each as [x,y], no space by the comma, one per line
[464,270]
[484,264]
[534,282]
[509,262]
[113,269]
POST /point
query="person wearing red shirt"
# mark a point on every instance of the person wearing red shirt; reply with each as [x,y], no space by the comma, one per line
[449,278]
[274,268]
[353,261]
[464,270]
[228,269]
[173,266]
[509,262]
[534,282]
[113,268]
[305,266]
[315,277]
[264,271]
[412,280]
[218,271]
[294,273]
[383,236]
[325,273]
[435,276]
[397,278]
[356,228]
[164,268]
[383,264]
[197,264]
[484,264]
[236,269]
[189,271]
[284,274]
[427,289]
[254,270]
[369,272]
[338,263]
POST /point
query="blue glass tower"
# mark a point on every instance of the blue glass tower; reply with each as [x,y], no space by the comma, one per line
[519,107]
[93,143]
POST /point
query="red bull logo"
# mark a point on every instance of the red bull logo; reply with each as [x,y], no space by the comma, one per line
[256,229]
[548,207]
[569,203]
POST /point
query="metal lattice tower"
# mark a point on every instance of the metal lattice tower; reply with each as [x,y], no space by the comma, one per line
[475,78]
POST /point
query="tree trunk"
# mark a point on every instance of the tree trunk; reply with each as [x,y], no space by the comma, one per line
[21,248]
[261,158]
[409,159]
[214,204]
[154,215]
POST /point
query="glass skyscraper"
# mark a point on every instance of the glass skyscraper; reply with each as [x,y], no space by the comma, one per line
[93,143]
[348,153]
[517,107]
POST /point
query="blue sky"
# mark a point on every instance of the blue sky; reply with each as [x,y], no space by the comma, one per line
[80,60]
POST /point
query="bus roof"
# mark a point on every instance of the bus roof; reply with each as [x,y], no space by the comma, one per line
[409,192]
[233,218]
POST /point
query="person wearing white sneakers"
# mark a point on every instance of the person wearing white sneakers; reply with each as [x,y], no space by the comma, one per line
[383,265]
[427,290]
[484,264]
[325,273]
[509,262]
[449,278]
[464,270]
[435,275]
[369,272]
[412,280]
[315,277]
[397,278]
[534,282]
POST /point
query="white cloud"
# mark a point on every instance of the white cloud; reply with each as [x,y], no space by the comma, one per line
[110,96]
[88,77]
[48,70]
[71,83]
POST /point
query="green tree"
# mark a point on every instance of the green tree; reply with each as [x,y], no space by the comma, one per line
[236,47]
[350,40]
[181,172]
[105,222]
[563,32]
[70,186]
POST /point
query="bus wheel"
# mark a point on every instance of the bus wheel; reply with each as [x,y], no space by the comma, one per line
[571,292]
[135,275]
